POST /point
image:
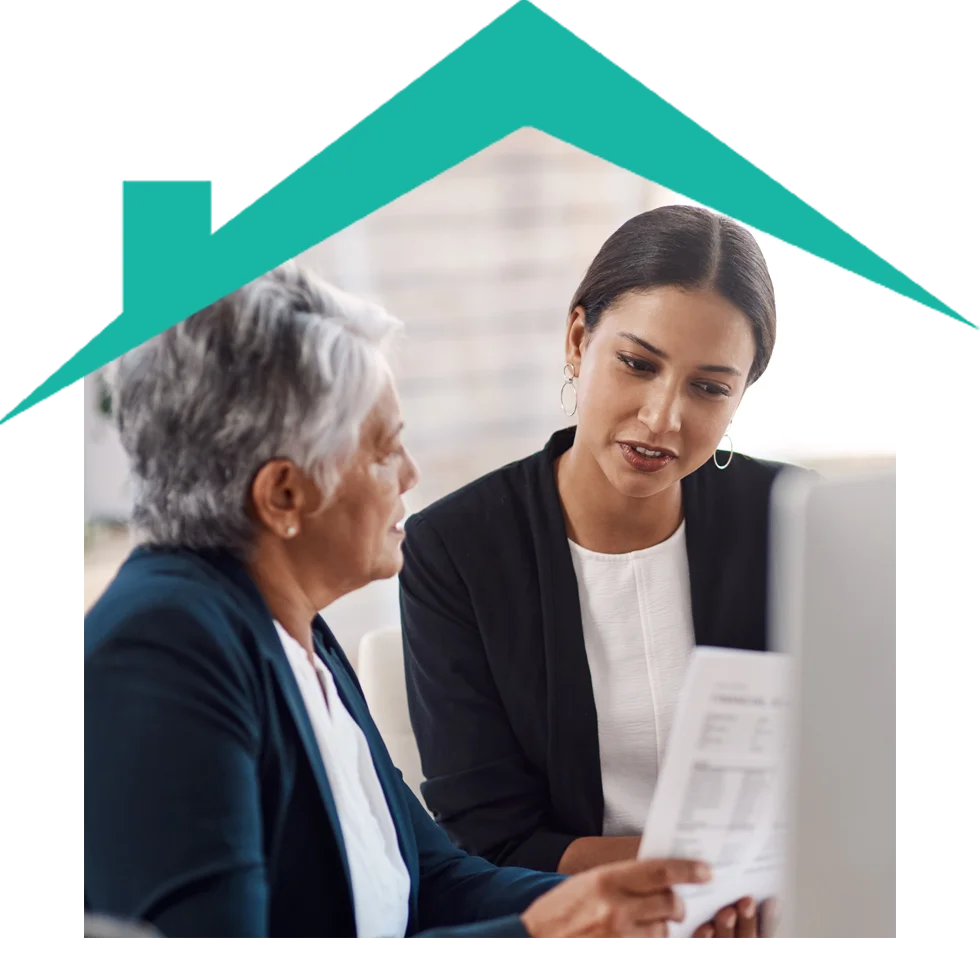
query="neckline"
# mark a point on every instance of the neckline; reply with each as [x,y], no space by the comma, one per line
[655,550]
[559,443]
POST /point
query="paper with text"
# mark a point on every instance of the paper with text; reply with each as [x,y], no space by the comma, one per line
[721,795]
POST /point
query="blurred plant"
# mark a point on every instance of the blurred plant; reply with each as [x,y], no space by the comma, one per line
[104,397]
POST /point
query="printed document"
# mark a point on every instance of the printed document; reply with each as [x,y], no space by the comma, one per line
[721,794]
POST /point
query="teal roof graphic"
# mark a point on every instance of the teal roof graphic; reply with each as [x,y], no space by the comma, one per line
[508,76]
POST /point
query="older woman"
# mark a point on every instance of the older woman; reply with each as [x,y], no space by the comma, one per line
[234,782]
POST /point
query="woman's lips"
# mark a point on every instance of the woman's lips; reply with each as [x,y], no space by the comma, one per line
[644,463]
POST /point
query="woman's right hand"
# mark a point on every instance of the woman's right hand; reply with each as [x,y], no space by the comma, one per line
[628,898]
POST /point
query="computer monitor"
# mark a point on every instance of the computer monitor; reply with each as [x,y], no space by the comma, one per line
[832,602]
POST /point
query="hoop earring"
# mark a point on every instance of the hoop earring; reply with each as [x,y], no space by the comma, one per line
[569,374]
[731,453]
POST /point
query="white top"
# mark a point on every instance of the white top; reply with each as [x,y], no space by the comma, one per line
[379,878]
[639,634]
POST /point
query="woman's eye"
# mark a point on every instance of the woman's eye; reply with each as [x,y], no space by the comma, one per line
[634,364]
[710,389]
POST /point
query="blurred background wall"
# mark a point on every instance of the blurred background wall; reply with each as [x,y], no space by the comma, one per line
[480,264]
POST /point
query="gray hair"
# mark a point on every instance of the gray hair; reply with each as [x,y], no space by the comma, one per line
[285,367]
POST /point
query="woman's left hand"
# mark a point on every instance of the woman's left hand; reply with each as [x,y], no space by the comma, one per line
[743,920]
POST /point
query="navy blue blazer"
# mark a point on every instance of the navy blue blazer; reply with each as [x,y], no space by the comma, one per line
[207,807]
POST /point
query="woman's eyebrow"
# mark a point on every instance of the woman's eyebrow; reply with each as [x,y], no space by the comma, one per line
[657,352]
[720,369]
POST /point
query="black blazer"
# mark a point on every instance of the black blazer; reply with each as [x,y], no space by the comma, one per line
[499,689]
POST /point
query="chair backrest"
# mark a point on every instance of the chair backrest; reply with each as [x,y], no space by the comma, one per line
[108,927]
[381,671]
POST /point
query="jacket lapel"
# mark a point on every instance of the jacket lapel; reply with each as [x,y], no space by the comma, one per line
[271,649]
[705,549]
[574,768]
[391,785]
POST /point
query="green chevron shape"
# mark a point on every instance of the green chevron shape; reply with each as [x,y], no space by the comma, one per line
[510,75]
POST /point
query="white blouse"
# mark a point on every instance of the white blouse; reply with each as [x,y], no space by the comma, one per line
[639,635]
[379,878]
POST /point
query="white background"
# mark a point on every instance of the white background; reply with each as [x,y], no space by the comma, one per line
[868,111]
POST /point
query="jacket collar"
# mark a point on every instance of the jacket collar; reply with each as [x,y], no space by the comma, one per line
[573,737]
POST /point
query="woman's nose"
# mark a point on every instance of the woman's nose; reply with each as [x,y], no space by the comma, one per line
[410,473]
[661,412]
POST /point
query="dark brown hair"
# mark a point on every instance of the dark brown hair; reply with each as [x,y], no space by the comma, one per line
[690,247]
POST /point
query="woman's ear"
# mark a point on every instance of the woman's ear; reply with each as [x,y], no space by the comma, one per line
[575,336]
[278,496]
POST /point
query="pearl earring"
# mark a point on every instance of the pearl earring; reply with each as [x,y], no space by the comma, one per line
[290,532]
